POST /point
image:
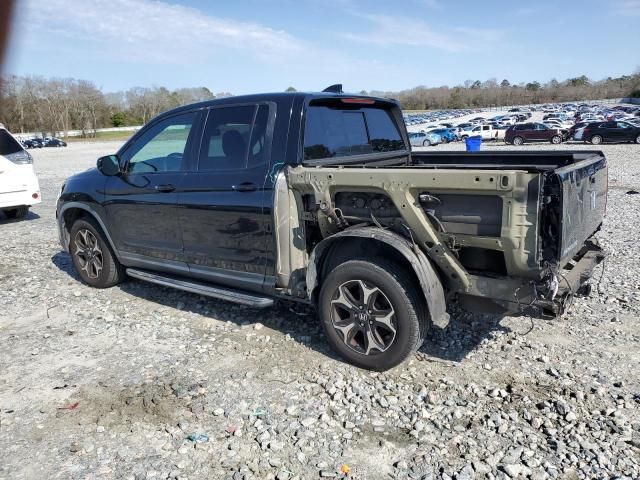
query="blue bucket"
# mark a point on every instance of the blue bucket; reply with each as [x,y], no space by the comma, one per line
[473,143]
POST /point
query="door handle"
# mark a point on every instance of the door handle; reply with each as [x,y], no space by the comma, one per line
[165,188]
[245,187]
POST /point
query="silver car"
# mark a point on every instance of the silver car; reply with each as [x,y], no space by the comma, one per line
[424,139]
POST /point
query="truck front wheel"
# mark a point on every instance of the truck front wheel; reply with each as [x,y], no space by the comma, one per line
[92,256]
[372,313]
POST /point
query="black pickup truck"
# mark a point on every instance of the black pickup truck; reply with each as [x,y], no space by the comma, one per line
[318,198]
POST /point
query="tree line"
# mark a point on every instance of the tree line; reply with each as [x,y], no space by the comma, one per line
[478,94]
[53,105]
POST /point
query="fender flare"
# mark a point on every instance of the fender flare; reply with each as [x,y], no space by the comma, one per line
[427,276]
[62,230]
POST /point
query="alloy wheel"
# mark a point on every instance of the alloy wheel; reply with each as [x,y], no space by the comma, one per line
[364,317]
[88,253]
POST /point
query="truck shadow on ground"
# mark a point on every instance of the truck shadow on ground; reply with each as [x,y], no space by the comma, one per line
[463,334]
[30,216]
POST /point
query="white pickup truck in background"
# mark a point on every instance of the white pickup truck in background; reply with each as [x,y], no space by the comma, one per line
[487,132]
[19,187]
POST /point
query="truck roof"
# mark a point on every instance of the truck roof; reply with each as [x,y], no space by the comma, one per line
[277,97]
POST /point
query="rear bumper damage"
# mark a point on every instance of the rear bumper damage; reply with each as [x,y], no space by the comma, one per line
[546,298]
[572,279]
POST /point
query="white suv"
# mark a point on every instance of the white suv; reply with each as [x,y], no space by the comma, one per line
[19,188]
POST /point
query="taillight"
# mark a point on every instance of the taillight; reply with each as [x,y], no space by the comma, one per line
[366,101]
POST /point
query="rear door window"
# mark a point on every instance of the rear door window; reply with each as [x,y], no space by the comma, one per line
[234,138]
[337,131]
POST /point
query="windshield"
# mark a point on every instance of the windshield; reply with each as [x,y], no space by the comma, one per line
[337,131]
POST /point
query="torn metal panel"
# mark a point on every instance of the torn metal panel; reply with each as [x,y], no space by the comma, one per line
[429,281]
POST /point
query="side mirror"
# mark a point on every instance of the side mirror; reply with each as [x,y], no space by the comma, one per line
[109,165]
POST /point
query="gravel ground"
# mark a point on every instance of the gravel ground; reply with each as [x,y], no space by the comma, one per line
[144,382]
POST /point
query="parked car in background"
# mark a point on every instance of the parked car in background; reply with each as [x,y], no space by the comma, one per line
[19,188]
[447,134]
[576,126]
[33,143]
[487,132]
[55,142]
[578,133]
[532,132]
[424,139]
[601,132]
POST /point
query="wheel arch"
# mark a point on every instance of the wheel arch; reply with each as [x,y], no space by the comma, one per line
[371,241]
[72,211]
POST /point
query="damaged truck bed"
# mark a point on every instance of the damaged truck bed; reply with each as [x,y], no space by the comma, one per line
[506,233]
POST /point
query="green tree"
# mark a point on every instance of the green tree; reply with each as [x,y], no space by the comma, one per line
[290,89]
[505,83]
[118,119]
[533,86]
[581,81]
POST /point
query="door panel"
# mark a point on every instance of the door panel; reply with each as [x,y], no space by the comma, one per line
[142,219]
[141,203]
[222,205]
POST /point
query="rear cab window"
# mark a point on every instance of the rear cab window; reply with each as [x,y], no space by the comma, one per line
[334,128]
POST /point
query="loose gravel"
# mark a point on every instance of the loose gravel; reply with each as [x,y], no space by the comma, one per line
[144,382]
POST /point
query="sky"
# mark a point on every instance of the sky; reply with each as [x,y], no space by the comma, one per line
[247,46]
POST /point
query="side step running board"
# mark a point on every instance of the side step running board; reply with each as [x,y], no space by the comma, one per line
[229,295]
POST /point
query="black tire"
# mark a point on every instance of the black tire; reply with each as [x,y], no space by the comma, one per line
[426,143]
[596,139]
[517,141]
[399,292]
[17,212]
[638,139]
[111,272]
[556,139]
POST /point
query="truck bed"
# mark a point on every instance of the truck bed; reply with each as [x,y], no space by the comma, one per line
[531,161]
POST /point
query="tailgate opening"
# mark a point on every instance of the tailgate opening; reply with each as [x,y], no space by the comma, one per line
[573,201]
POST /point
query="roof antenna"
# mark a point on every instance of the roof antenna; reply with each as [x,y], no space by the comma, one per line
[337,88]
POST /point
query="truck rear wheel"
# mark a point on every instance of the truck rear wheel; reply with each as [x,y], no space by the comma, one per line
[372,313]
